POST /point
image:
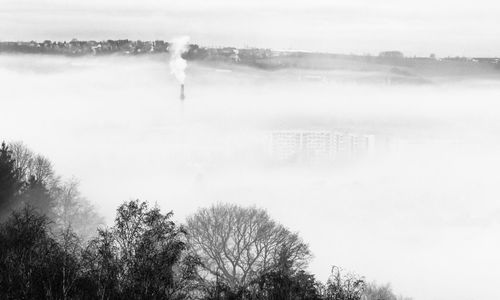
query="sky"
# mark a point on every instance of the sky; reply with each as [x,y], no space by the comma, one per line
[443,27]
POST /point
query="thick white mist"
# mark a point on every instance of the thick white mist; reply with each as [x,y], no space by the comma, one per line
[423,213]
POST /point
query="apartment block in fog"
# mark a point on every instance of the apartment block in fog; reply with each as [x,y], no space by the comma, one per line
[320,145]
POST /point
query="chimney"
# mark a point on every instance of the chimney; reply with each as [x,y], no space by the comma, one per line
[182,92]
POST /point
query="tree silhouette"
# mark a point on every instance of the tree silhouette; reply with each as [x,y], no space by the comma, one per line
[60,200]
[238,244]
[343,286]
[286,283]
[226,252]
[72,210]
[143,256]
[37,195]
[33,265]
[10,183]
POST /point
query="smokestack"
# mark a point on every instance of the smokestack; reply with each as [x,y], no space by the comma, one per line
[177,63]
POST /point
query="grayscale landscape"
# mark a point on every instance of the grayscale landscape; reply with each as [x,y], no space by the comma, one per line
[385,165]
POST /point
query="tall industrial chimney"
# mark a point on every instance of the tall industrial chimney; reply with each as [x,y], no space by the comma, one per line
[182,92]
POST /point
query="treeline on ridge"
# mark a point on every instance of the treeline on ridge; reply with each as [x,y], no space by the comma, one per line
[393,62]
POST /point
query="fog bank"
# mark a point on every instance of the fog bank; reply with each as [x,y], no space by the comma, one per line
[419,210]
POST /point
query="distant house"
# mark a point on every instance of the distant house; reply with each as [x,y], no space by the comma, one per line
[229,52]
[391,54]
[490,60]
[254,53]
[160,46]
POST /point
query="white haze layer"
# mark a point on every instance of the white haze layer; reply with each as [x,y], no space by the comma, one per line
[423,214]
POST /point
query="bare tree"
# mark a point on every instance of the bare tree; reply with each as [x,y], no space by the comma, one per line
[70,209]
[23,158]
[28,164]
[344,286]
[42,170]
[238,244]
[74,211]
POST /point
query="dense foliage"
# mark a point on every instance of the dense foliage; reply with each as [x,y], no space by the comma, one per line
[226,252]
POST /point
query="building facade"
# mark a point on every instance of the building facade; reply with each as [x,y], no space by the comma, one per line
[320,145]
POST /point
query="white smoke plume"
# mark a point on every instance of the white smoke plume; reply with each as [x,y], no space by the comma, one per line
[177,63]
